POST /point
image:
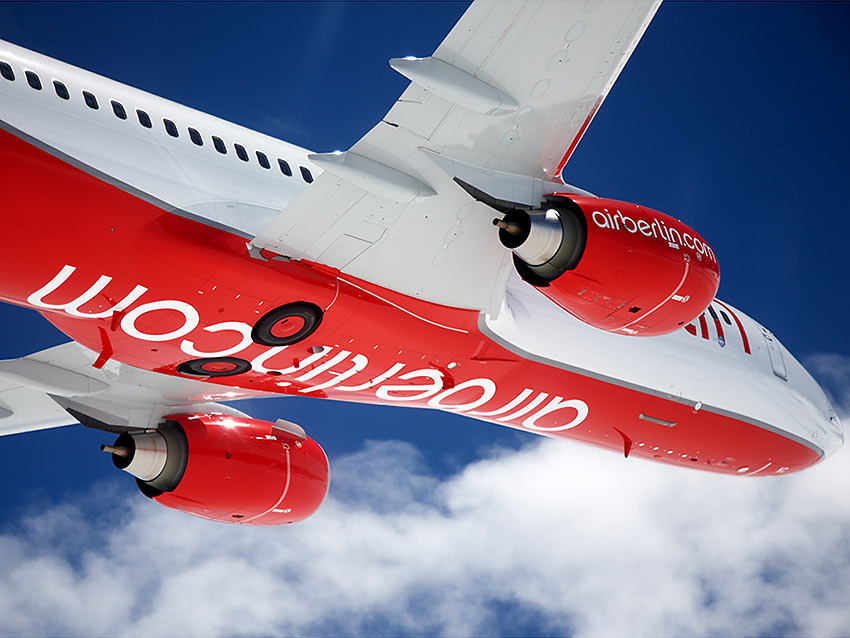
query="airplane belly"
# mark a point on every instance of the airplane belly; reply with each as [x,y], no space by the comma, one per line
[731,372]
[136,283]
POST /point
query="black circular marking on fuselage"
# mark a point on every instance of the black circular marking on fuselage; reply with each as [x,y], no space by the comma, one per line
[214,367]
[307,312]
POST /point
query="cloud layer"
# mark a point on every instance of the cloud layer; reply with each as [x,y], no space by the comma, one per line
[551,539]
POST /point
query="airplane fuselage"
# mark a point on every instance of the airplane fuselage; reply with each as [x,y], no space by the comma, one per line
[127,226]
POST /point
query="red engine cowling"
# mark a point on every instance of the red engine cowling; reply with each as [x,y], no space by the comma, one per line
[229,469]
[620,267]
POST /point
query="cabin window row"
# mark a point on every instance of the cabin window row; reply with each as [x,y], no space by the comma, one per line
[195,136]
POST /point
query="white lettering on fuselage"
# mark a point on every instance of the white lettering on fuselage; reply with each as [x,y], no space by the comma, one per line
[237,326]
[191,318]
[424,383]
[657,229]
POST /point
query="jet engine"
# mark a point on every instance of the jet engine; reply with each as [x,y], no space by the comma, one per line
[620,267]
[226,468]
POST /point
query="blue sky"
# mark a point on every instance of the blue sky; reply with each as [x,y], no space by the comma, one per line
[730,116]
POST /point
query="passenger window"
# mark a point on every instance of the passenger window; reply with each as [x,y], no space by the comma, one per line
[306,174]
[241,153]
[6,71]
[284,167]
[144,118]
[170,128]
[195,137]
[33,80]
[91,100]
[263,160]
[219,145]
[61,90]
[119,111]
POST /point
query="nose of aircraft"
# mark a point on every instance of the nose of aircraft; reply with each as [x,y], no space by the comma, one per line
[804,410]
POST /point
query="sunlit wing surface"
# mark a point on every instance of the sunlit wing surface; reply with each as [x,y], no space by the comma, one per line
[507,95]
[555,60]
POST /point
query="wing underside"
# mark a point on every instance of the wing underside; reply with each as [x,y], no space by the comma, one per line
[501,104]
[59,386]
[506,97]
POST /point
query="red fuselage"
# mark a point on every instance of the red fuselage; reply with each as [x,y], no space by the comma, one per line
[191,289]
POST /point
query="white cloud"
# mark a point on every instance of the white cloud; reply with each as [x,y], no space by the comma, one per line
[554,538]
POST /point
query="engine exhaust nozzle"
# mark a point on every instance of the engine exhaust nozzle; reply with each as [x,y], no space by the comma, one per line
[157,458]
[547,241]
[143,455]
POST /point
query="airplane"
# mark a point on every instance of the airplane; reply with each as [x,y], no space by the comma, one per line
[440,263]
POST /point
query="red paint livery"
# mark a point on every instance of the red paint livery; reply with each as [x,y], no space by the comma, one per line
[246,471]
[189,275]
[212,273]
[641,273]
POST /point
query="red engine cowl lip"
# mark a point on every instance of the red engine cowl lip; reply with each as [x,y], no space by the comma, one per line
[247,471]
[641,272]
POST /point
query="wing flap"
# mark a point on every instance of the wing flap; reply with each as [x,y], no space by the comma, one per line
[422,248]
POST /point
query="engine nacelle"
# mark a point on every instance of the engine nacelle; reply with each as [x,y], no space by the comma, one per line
[620,267]
[229,469]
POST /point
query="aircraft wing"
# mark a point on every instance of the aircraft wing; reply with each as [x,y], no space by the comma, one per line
[501,104]
[59,386]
